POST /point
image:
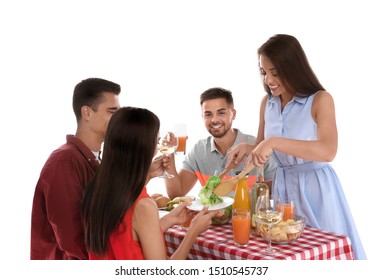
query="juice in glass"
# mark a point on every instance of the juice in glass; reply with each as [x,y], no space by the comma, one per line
[241,227]
[289,209]
[182,144]
[186,224]
[288,212]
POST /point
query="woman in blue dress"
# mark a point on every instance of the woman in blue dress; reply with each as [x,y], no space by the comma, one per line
[298,129]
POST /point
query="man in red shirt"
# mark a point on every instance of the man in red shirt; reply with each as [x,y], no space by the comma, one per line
[57,227]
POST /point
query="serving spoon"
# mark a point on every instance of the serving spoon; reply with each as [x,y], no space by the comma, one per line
[226,170]
[227,186]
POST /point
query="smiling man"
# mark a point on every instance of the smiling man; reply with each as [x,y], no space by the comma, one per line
[210,154]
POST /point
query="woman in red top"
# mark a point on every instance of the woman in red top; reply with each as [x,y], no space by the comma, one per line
[121,220]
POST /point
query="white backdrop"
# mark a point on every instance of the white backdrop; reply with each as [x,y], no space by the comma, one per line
[164,54]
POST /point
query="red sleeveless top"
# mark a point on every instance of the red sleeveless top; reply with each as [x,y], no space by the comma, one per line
[122,246]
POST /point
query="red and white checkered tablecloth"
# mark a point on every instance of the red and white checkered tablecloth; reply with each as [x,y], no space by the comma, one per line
[313,244]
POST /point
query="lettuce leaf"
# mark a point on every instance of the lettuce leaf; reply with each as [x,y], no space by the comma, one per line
[206,193]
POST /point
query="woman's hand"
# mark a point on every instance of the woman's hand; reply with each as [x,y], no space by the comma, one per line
[177,216]
[180,214]
[260,154]
[156,168]
[202,221]
[167,162]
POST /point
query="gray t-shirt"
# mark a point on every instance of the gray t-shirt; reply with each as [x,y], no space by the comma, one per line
[204,160]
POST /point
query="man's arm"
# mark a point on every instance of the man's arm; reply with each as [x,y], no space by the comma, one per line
[182,182]
[63,202]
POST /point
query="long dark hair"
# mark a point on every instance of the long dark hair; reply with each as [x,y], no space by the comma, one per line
[129,147]
[290,61]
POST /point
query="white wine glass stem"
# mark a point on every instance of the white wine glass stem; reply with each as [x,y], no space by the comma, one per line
[269,247]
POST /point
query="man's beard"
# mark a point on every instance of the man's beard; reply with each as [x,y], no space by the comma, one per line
[218,134]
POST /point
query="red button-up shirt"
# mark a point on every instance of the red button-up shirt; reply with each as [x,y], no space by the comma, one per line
[57,229]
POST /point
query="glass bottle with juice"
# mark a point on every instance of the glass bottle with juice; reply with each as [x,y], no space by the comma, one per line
[241,195]
[259,188]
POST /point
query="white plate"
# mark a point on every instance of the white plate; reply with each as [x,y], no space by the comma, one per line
[162,213]
[198,206]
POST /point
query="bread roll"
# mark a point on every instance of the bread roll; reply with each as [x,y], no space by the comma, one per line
[162,201]
[156,195]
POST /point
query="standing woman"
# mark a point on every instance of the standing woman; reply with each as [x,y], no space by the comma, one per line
[121,220]
[298,129]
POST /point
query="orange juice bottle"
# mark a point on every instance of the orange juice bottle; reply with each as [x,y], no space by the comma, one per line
[241,196]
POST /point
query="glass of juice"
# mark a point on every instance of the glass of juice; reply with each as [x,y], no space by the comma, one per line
[289,207]
[186,224]
[241,227]
[182,144]
[180,130]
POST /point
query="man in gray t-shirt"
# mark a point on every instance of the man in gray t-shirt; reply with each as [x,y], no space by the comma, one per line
[210,155]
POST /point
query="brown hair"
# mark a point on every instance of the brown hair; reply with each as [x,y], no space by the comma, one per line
[89,92]
[290,61]
[217,92]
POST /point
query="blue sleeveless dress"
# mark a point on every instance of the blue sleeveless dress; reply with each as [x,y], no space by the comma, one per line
[314,186]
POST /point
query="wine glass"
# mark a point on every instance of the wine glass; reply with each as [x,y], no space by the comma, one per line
[167,144]
[268,211]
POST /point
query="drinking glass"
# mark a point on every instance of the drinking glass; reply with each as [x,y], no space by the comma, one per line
[268,211]
[167,145]
[181,132]
[186,224]
[241,227]
[288,207]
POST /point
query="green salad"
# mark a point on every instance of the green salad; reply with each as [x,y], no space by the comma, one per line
[206,193]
